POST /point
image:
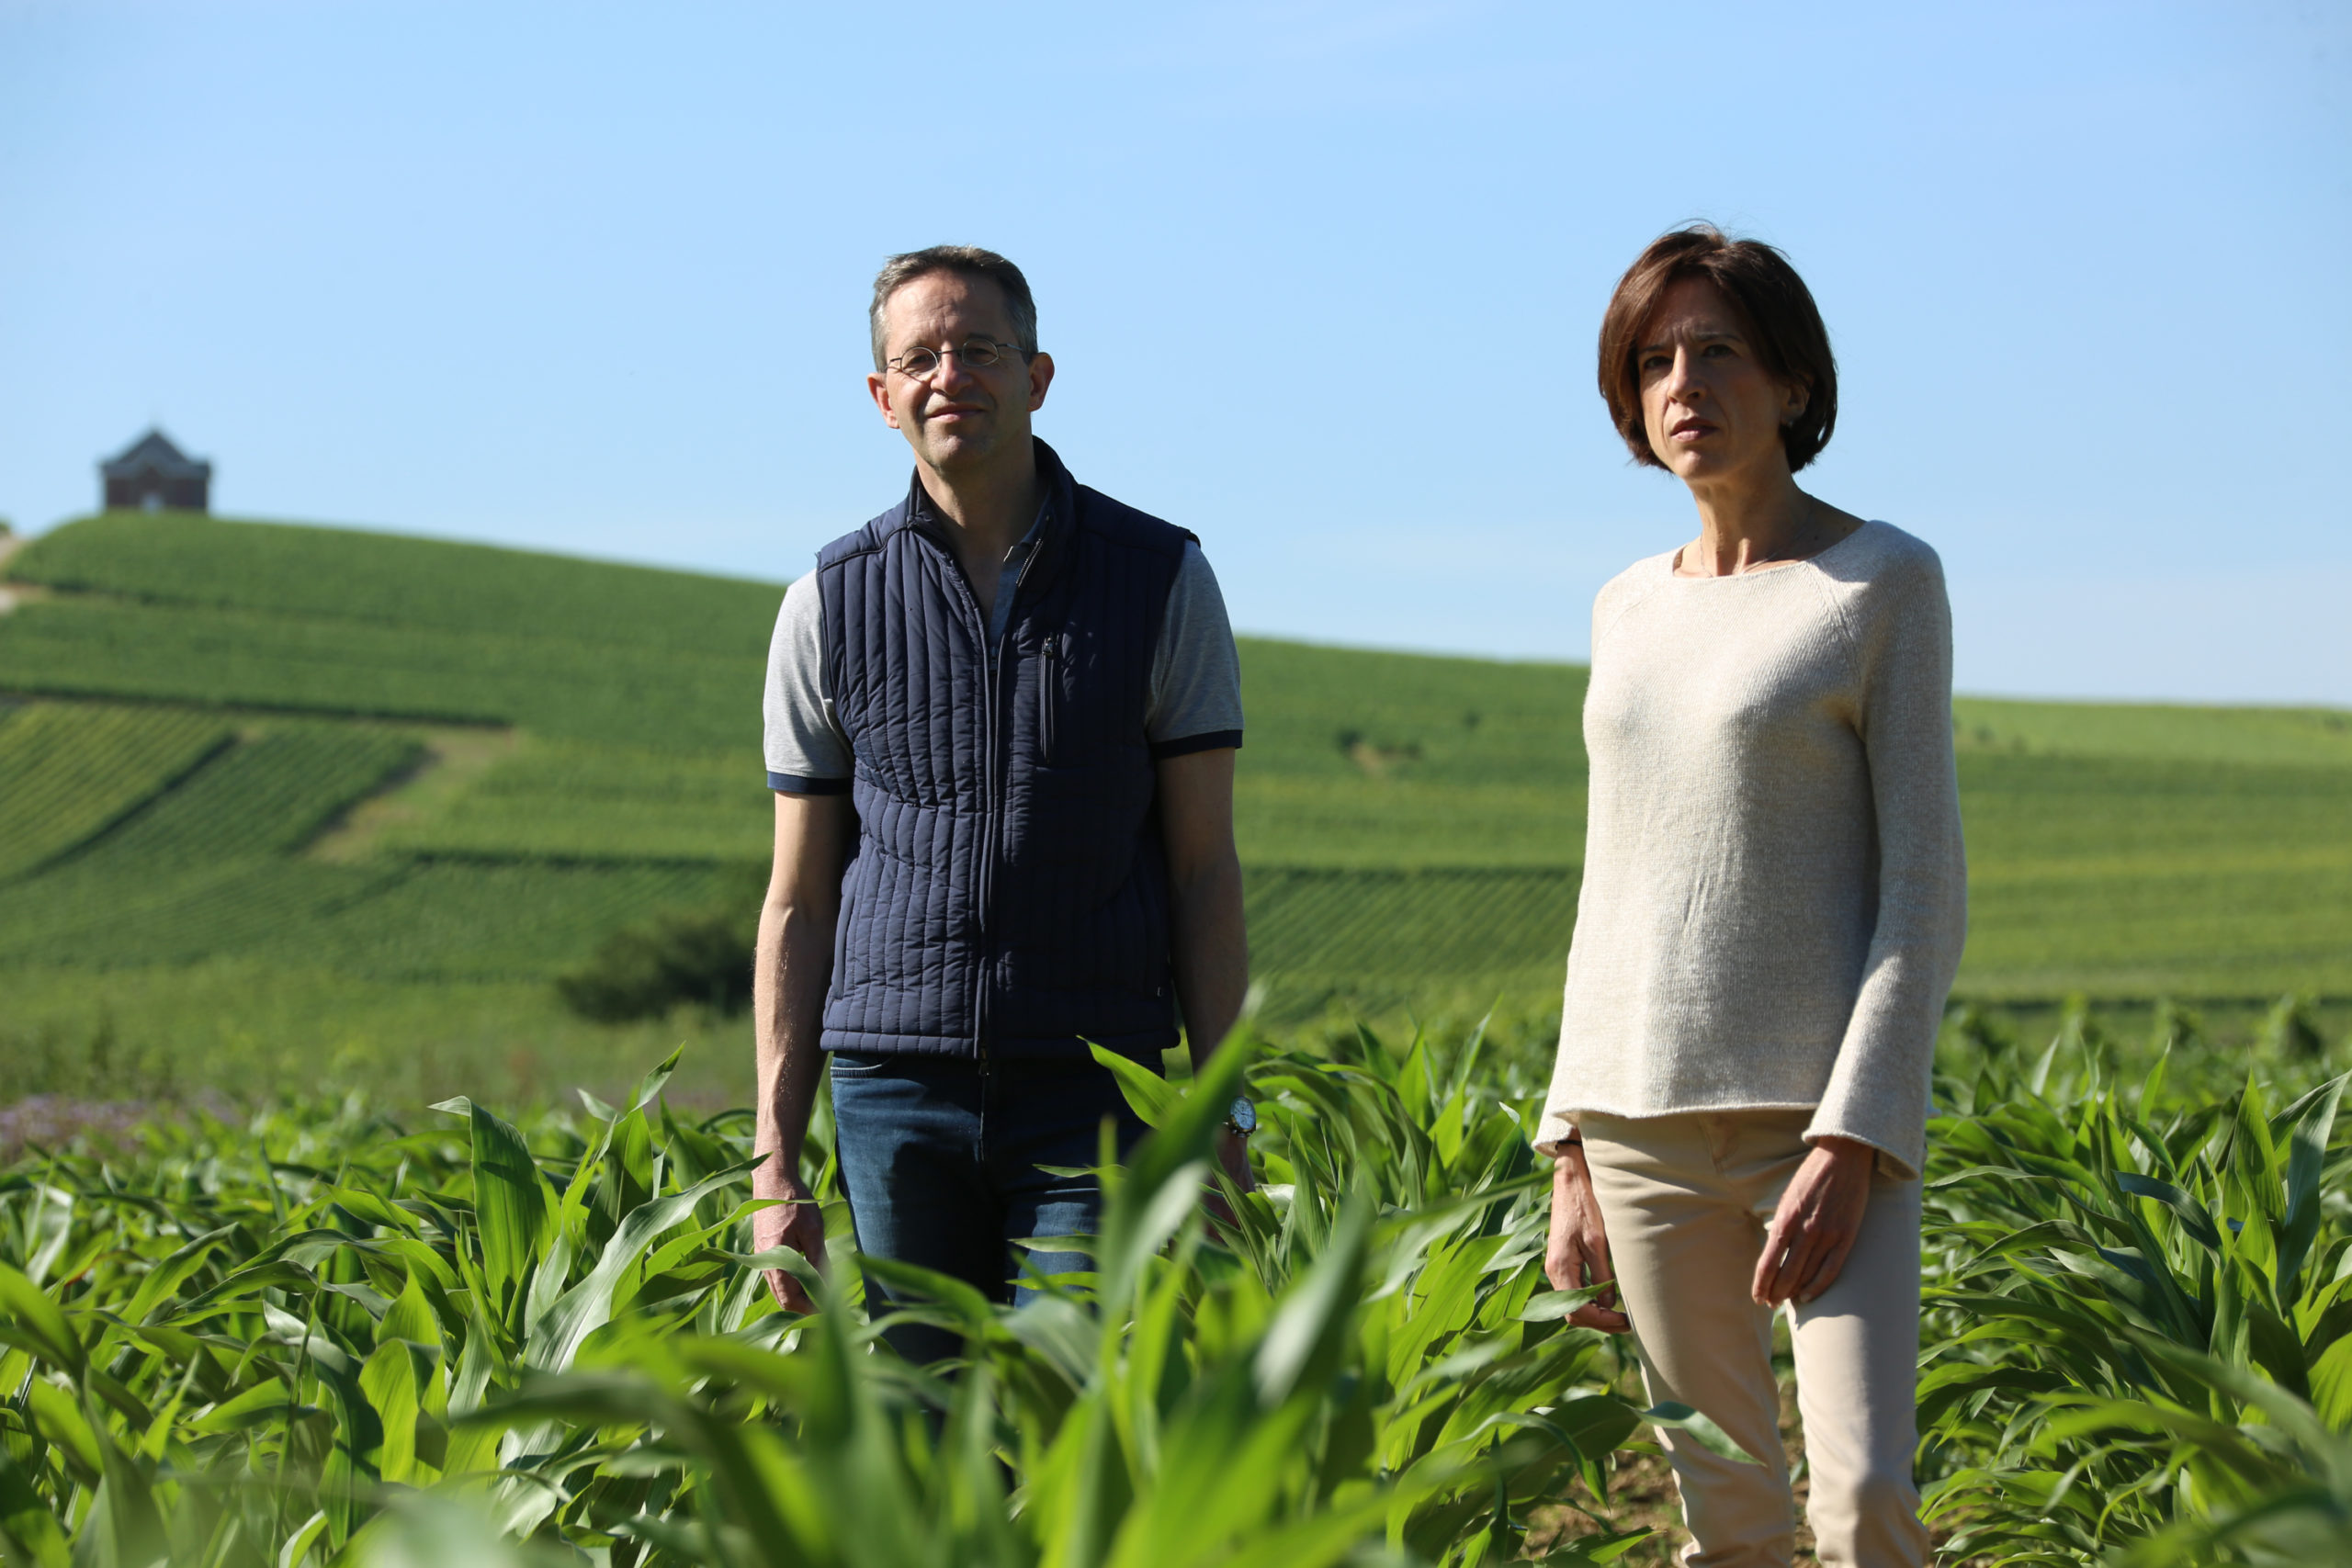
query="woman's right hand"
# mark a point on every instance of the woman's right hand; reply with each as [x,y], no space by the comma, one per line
[1576,1255]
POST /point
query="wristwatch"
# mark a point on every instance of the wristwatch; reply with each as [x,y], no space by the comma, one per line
[1241,1116]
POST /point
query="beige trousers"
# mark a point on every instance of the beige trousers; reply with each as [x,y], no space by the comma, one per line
[1687,1198]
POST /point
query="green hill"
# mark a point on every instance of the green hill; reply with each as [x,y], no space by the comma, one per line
[326,621]
[268,792]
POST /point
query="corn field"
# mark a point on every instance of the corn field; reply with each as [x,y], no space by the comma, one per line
[2138,1313]
[322,1337]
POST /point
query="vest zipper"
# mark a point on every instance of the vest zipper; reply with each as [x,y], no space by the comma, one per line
[987,820]
[996,751]
[1048,686]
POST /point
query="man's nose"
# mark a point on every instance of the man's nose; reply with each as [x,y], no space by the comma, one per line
[953,372]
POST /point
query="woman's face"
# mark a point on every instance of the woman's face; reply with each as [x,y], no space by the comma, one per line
[1709,410]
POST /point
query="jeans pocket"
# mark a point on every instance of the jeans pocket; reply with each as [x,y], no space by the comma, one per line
[847,1066]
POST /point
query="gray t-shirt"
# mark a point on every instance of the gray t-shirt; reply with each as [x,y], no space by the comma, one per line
[1195,703]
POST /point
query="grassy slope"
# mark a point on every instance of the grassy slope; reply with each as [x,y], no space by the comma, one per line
[1412,825]
[413,584]
[68,772]
[2124,850]
[206,611]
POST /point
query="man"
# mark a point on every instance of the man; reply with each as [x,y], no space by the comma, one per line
[1001,720]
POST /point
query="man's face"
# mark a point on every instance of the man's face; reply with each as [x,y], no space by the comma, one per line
[958,416]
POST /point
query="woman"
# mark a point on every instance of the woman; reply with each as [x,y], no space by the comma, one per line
[1773,904]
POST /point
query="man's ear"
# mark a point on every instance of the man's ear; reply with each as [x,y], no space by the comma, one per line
[1041,376]
[877,387]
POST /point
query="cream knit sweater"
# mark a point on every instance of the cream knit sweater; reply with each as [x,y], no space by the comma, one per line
[1774,891]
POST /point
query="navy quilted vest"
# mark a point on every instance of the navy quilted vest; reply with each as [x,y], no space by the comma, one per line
[1009,892]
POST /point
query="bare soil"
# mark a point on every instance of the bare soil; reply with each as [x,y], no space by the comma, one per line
[61,1122]
[1641,1495]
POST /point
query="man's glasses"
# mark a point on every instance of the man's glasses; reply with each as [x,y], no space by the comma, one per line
[976,353]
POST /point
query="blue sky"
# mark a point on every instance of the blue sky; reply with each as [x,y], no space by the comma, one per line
[1322,282]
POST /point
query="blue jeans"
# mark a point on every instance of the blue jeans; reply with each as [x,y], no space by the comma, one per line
[941,1160]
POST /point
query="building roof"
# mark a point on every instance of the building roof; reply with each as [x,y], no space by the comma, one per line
[154,454]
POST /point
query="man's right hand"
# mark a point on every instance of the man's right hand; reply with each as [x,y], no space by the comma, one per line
[795,1222]
[1576,1254]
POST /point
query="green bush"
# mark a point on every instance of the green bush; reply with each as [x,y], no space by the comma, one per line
[679,957]
[643,971]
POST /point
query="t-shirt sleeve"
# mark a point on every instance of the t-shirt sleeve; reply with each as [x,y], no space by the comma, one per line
[1196,672]
[807,753]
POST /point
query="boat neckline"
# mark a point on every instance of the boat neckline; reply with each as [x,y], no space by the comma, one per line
[1675,555]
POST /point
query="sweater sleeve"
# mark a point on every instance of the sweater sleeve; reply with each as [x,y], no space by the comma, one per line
[1555,1124]
[1878,1089]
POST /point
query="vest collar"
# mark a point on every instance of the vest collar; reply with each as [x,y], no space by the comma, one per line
[1061,501]
[1052,528]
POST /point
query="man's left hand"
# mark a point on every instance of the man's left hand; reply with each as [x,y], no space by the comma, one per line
[1814,1228]
[1233,1158]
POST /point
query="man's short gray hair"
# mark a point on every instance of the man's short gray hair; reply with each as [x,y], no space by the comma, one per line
[970,261]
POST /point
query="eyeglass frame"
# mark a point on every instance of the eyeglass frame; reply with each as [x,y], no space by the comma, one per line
[939,356]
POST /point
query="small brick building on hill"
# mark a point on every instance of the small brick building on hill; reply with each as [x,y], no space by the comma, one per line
[153,475]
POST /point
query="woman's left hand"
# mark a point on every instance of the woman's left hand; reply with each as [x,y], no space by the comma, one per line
[1814,1229]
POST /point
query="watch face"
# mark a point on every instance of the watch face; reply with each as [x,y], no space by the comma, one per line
[1243,1115]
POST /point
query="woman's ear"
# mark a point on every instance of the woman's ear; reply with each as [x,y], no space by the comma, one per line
[1795,398]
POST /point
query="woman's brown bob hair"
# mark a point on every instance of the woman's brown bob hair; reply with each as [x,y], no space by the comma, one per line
[1783,325]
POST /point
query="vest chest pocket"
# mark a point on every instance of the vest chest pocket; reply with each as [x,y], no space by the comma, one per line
[1086,716]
